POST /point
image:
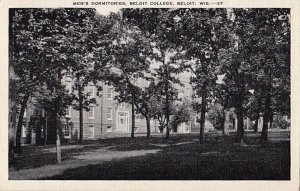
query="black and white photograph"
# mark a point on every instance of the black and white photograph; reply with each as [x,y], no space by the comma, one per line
[149,94]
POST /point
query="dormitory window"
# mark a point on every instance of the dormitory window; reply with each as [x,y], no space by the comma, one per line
[91,112]
[110,94]
[109,129]
[67,131]
[109,114]
[91,128]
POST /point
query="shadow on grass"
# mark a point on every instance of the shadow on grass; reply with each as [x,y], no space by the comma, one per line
[217,159]
[38,156]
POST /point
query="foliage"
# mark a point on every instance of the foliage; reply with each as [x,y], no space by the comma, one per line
[279,121]
[182,113]
[159,25]
[216,116]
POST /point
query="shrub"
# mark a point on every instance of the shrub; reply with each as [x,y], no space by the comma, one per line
[280,122]
[216,116]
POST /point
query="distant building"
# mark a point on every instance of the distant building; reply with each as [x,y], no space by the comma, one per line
[107,116]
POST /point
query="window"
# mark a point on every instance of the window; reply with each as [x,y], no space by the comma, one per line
[69,112]
[110,94]
[122,104]
[109,129]
[91,112]
[92,132]
[67,133]
[91,91]
[109,114]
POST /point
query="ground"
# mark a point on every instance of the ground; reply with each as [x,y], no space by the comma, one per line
[179,158]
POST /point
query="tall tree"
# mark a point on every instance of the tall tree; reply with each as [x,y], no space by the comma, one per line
[270,53]
[204,33]
[81,62]
[129,50]
[144,102]
[34,40]
[260,49]
[161,27]
[41,40]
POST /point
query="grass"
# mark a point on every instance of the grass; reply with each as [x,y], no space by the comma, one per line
[179,158]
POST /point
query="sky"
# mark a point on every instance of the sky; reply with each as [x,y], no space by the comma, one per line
[107,11]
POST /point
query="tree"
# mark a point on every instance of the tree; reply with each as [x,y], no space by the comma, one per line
[221,104]
[33,46]
[273,59]
[181,113]
[40,43]
[235,80]
[216,116]
[87,38]
[55,100]
[12,110]
[160,26]
[130,50]
[204,34]
[158,105]
[260,49]
[234,63]
[144,102]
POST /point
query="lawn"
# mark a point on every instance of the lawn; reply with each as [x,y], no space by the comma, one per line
[179,158]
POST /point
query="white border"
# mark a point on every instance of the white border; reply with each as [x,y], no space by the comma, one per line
[292,185]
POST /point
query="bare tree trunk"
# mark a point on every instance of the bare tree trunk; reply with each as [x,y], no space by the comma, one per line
[255,127]
[266,116]
[57,130]
[161,130]
[57,124]
[167,98]
[58,148]
[20,123]
[202,115]
[271,120]
[46,130]
[223,123]
[80,112]
[132,116]
[80,122]
[233,123]
[12,113]
[168,128]
[240,128]
[148,125]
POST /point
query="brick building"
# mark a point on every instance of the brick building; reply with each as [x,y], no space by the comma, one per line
[107,116]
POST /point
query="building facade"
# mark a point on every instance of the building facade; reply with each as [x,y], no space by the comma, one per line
[104,117]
